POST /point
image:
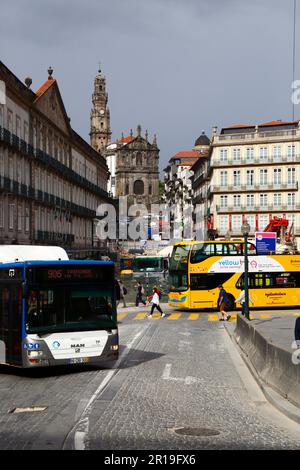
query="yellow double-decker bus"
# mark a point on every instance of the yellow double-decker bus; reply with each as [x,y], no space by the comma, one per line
[198,268]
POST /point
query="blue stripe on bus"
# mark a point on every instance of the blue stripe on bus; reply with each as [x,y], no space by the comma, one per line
[177,300]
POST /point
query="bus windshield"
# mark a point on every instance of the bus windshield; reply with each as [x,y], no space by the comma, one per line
[179,258]
[147,264]
[60,309]
[70,298]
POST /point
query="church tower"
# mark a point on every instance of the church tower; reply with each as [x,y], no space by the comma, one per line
[100,116]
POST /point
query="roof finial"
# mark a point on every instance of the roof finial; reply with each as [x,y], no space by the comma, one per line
[146,134]
[154,140]
[139,130]
[131,133]
[50,72]
[99,64]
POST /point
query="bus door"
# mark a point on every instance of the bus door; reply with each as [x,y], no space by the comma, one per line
[11,323]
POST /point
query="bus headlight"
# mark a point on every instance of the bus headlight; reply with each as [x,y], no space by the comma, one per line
[114,347]
[32,354]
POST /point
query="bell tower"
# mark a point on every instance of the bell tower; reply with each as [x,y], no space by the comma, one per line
[100,116]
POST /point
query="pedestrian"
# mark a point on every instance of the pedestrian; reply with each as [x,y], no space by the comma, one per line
[155,304]
[241,300]
[297,332]
[139,294]
[223,304]
[123,292]
[117,292]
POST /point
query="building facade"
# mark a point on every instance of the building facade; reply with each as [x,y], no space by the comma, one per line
[134,168]
[255,170]
[51,180]
[179,187]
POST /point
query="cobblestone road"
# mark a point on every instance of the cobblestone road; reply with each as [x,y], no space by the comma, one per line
[180,374]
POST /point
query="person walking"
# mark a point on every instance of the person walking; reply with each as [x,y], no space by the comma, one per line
[139,294]
[297,332]
[117,292]
[123,292]
[155,304]
[223,304]
[242,301]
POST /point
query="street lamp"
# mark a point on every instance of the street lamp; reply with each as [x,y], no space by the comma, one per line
[245,231]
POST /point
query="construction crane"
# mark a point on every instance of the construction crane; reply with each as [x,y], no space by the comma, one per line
[285,238]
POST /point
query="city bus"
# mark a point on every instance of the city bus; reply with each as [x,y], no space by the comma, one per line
[55,311]
[198,268]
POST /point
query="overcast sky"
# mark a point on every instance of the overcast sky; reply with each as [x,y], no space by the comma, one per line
[174,66]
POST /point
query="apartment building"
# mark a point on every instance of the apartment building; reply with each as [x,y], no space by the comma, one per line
[51,180]
[255,170]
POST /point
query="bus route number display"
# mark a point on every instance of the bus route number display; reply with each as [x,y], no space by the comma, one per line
[71,274]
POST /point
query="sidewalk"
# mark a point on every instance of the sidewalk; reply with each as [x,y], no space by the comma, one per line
[267,348]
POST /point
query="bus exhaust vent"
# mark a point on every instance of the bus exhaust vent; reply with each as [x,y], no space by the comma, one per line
[29,409]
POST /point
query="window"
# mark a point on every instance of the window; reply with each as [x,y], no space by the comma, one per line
[236,155]
[250,177]
[250,154]
[263,200]
[263,177]
[224,223]
[11,168]
[277,152]
[11,216]
[127,188]
[236,178]
[277,176]
[277,199]
[150,188]
[139,159]
[20,218]
[223,155]
[263,221]
[250,200]
[236,223]
[271,280]
[1,214]
[263,153]
[138,187]
[9,120]
[237,200]
[208,280]
[27,219]
[291,152]
[291,199]
[251,222]
[223,178]
[291,173]
[223,201]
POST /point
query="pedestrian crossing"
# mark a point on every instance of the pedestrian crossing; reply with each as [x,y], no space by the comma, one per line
[173,316]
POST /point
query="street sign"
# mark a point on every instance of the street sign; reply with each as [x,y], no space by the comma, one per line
[265,242]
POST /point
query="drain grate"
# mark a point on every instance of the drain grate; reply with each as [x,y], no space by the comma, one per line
[197,432]
[29,409]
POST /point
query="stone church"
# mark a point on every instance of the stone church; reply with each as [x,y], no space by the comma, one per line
[133,161]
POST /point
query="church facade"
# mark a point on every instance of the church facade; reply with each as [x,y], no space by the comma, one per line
[133,161]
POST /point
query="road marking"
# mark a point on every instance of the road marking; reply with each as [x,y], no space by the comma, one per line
[264,315]
[213,317]
[82,426]
[121,316]
[233,317]
[194,316]
[140,316]
[189,380]
[174,316]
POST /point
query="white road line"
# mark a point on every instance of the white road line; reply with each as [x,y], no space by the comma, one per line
[83,424]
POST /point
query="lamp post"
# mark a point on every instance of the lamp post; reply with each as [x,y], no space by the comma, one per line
[245,231]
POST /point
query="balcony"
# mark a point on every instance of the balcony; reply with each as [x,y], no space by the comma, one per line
[253,137]
[257,209]
[270,160]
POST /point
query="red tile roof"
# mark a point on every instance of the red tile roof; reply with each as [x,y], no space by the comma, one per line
[186,154]
[45,87]
[185,164]
[126,140]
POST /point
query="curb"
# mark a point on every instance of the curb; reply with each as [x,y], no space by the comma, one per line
[274,398]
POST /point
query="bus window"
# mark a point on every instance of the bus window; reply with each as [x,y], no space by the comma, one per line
[271,280]
[179,258]
[178,281]
[202,251]
[208,281]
